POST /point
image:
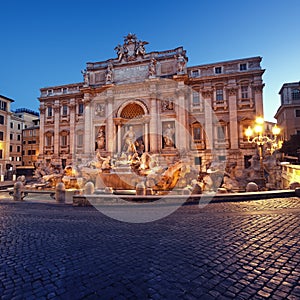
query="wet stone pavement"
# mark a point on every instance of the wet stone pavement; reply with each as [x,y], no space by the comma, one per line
[242,250]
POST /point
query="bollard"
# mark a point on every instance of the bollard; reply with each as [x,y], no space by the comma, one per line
[140,189]
[18,191]
[251,187]
[149,191]
[197,189]
[89,188]
[60,193]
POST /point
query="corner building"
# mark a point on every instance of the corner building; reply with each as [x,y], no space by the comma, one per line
[203,109]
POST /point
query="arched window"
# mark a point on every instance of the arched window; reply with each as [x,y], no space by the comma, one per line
[198,136]
[49,138]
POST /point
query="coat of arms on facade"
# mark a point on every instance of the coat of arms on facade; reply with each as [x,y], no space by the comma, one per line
[131,49]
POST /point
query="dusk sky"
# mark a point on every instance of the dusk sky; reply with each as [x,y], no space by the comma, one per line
[47,43]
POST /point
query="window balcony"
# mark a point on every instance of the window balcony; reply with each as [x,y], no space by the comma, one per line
[64,149]
[220,104]
[48,150]
[222,144]
[199,144]
[245,103]
[244,144]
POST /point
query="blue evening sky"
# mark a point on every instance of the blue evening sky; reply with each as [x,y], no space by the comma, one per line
[46,43]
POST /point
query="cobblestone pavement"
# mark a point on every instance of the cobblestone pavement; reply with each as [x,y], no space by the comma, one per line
[243,250]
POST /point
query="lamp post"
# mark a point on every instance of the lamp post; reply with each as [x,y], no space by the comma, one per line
[255,135]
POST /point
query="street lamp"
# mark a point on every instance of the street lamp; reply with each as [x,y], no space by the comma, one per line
[255,135]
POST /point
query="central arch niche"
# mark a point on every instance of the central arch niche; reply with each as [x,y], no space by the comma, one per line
[132,115]
[132,111]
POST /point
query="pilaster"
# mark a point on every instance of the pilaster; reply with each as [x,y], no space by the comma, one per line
[207,96]
[233,121]
[42,131]
[56,143]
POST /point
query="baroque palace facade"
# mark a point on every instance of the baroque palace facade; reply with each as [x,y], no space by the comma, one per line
[168,108]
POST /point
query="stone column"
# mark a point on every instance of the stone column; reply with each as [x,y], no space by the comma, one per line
[42,131]
[56,141]
[72,107]
[110,123]
[146,137]
[153,124]
[258,99]
[209,136]
[87,125]
[233,121]
[181,131]
[119,139]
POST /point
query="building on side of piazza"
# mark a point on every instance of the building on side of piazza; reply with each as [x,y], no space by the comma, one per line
[5,121]
[288,114]
[205,108]
[21,119]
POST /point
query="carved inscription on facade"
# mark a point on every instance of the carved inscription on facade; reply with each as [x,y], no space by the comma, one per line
[138,73]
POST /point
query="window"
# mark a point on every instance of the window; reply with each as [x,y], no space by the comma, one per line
[222,157]
[19,137]
[297,113]
[65,90]
[19,126]
[48,140]
[221,132]
[10,148]
[1,119]
[31,152]
[295,94]
[1,135]
[244,92]
[195,73]
[197,133]
[80,140]
[64,140]
[219,94]
[65,110]
[18,149]
[243,67]
[247,163]
[198,161]
[1,154]
[11,125]
[80,108]
[3,105]
[11,136]
[218,70]
[49,92]
[49,112]
[196,100]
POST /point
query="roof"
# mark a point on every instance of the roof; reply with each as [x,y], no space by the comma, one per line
[289,84]
[6,98]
